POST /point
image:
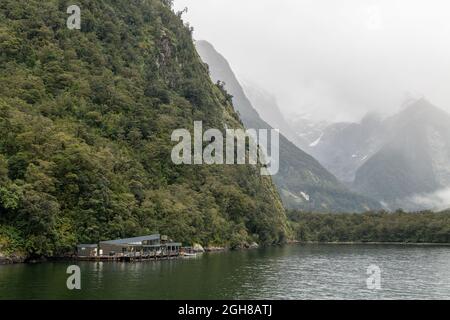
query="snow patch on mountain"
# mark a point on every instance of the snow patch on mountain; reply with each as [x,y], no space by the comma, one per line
[305,196]
[315,143]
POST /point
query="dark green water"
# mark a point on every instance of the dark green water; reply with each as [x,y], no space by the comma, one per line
[290,272]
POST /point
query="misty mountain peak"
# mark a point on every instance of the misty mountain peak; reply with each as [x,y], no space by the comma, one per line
[421,112]
[302,181]
[371,119]
[419,106]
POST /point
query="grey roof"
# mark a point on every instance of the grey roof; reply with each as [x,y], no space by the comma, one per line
[176,244]
[87,246]
[133,240]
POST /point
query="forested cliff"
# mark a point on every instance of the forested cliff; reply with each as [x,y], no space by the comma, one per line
[86,118]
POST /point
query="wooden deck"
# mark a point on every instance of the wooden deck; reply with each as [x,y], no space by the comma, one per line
[130,258]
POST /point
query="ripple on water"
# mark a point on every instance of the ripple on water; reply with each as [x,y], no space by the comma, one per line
[290,272]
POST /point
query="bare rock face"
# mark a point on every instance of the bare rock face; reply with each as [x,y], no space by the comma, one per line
[198,247]
[253,245]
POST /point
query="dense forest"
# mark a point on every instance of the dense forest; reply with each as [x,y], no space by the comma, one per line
[420,227]
[86,118]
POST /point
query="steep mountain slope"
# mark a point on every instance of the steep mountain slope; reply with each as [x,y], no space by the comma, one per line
[309,130]
[266,106]
[343,147]
[302,181]
[86,118]
[414,159]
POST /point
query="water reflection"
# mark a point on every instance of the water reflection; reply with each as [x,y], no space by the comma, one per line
[290,272]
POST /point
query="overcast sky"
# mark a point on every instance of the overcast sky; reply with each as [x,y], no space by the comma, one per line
[332,59]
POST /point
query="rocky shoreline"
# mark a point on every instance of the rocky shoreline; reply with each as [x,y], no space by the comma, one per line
[199,248]
[18,258]
[11,259]
[6,259]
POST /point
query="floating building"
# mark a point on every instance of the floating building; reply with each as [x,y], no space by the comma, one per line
[128,249]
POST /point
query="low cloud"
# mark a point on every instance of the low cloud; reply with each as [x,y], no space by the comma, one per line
[334,60]
[437,201]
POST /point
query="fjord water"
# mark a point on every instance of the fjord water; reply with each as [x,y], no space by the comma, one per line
[288,272]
